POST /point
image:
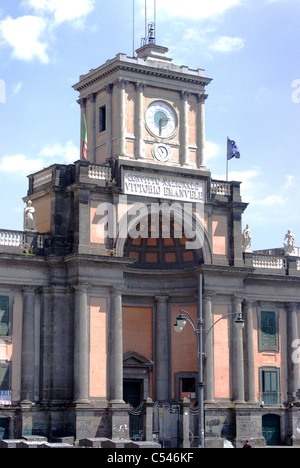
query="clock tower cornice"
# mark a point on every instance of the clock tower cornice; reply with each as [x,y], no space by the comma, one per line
[132,69]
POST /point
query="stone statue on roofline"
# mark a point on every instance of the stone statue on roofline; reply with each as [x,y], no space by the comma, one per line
[29,218]
[289,243]
[247,239]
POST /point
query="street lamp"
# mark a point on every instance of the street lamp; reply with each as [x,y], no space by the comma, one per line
[180,324]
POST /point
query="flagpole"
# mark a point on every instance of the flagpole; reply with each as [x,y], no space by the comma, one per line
[227,170]
[227,162]
[146,24]
[133,28]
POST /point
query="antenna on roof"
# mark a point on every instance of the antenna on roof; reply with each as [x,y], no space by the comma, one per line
[150,29]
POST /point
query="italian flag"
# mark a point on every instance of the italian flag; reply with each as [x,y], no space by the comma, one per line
[84,138]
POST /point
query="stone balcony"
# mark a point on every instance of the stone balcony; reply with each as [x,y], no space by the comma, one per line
[24,243]
[274,262]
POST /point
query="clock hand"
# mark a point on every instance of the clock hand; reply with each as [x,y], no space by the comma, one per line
[161,122]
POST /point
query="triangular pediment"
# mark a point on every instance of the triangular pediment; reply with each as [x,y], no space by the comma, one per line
[133,359]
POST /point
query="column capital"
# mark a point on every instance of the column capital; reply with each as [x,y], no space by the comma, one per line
[208,295]
[140,86]
[184,94]
[81,287]
[201,98]
[120,83]
[82,101]
[117,290]
[92,97]
[29,290]
[161,299]
[292,306]
[108,88]
[237,300]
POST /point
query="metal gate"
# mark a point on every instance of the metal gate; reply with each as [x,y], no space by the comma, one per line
[136,422]
[193,433]
[166,425]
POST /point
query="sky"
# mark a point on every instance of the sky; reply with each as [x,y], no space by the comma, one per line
[249,47]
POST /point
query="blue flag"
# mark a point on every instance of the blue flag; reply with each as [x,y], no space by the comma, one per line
[232,150]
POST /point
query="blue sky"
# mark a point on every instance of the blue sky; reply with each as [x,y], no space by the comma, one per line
[249,47]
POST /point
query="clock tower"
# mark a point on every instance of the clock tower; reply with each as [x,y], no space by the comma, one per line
[145,109]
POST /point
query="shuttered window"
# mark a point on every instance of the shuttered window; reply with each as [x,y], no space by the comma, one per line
[4,316]
[270,387]
[268,330]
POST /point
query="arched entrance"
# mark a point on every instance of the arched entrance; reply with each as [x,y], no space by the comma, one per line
[163,238]
[271,429]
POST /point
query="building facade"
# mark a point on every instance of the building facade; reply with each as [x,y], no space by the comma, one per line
[111,252]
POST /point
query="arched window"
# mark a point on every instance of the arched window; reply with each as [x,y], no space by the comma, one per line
[160,245]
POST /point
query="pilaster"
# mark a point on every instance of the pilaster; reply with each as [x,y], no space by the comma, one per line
[238,356]
[81,346]
[201,98]
[162,349]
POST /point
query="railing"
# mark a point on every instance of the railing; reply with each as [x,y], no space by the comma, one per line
[269,262]
[270,398]
[99,172]
[25,241]
[12,238]
[220,187]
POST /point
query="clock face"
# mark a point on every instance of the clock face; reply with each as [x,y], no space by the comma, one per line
[161,119]
[161,153]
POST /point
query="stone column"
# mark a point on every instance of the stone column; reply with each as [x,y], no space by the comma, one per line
[82,103]
[116,347]
[162,350]
[184,127]
[209,390]
[139,121]
[109,121]
[292,338]
[92,127]
[28,347]
[201,98]
[120,85]
[249,364]
[46,333]
[81,346]
[238,357]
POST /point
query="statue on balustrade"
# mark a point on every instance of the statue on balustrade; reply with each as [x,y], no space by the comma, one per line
[29,218]
[289,243]
[247,239]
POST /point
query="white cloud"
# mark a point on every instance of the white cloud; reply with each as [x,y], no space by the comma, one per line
[29,35]
[24,36]
[228,44]
[20,163]
[194,8]
[62,10]
[51,154]
[65,154]
[211,150]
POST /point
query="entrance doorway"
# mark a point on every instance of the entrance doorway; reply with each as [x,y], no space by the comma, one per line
[133,392]
[271,429]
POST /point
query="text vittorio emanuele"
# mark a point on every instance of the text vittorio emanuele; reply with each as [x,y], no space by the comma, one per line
[175,188]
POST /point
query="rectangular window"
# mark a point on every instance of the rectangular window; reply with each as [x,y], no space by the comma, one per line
[270,387]
[4,316]
[4,378]
[188,385]
[102,119]
[268,330]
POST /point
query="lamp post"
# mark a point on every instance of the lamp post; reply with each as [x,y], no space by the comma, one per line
[180,324]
